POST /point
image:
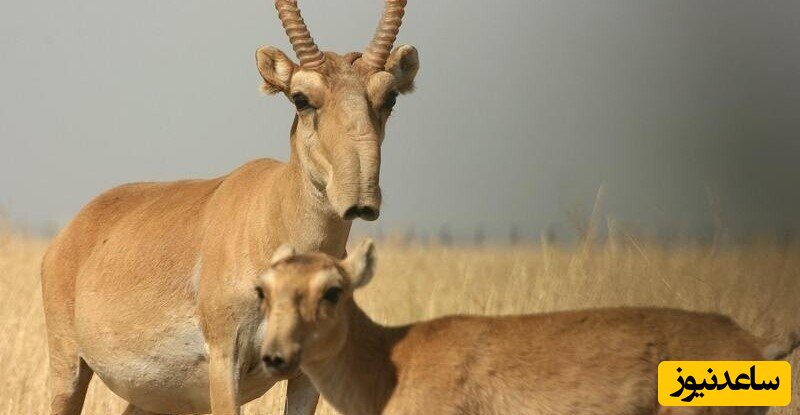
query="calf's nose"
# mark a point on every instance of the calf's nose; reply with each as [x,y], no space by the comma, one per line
[275,361]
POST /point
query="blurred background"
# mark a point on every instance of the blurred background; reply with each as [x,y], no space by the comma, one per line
[685,113]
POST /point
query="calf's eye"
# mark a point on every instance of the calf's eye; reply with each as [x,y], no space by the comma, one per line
[332,295]
[260,293]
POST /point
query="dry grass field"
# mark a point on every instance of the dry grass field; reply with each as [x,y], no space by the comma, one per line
[758,284]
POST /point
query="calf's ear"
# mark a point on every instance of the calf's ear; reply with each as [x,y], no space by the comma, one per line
[360,264]
[283,252]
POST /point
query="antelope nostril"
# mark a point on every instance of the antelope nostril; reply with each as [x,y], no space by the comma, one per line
[274,361]
[369,213]
[364,212]
[352,213]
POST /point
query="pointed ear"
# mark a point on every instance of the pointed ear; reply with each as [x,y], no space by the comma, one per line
[276,68]
[283,252]
[360,264]
[403,63]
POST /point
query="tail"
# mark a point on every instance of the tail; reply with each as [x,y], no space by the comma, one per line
[780,351]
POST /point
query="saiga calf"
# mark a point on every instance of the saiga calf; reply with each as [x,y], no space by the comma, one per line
[591,362]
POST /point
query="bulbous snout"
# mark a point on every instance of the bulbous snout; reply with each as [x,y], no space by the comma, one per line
[368,213]
[353,183]
[355,190]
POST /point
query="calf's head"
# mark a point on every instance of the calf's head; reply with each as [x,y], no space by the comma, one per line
[306,300]
[342,104]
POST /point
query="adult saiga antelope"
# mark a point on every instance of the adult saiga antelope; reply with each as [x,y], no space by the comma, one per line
[150,286]
[591,362]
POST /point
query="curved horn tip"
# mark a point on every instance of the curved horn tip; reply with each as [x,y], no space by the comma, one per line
[378,50]
[295,27]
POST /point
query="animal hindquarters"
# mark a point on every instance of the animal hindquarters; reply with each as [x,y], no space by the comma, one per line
[69,373]
[69,379]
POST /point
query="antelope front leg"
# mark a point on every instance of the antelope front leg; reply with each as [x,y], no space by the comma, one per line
[301,396]
[223,381]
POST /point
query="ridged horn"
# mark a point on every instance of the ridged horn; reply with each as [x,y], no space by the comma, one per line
[376,54]
[299,36]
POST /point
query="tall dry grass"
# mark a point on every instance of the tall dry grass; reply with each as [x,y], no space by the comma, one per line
[758,284]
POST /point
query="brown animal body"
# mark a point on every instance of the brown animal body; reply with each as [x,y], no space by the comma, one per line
[588,362]
[150,285]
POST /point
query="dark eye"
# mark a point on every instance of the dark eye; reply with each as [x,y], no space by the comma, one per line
[300,101]
[332,295]
[391,99]
[260,293]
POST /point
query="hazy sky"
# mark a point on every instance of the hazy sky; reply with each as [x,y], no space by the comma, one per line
[523,108]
